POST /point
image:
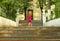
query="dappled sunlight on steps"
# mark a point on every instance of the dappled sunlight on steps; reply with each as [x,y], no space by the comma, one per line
[34,33]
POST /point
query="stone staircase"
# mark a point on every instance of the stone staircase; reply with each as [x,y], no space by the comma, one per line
[34,33]
[34,22]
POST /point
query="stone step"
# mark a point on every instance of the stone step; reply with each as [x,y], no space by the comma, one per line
[30,28]
[34,22]
[33,40]
[30,38]
[29,33]
[34,33]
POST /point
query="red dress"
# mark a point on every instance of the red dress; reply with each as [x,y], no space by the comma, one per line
[29,18]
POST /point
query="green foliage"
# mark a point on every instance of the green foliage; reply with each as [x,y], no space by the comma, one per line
[57,10]
[10,6]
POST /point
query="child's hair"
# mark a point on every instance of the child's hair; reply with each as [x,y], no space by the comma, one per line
[29,12]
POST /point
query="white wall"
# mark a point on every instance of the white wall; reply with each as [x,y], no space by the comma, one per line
[7,22]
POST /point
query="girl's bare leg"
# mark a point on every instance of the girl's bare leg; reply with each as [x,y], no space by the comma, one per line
[29,24]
